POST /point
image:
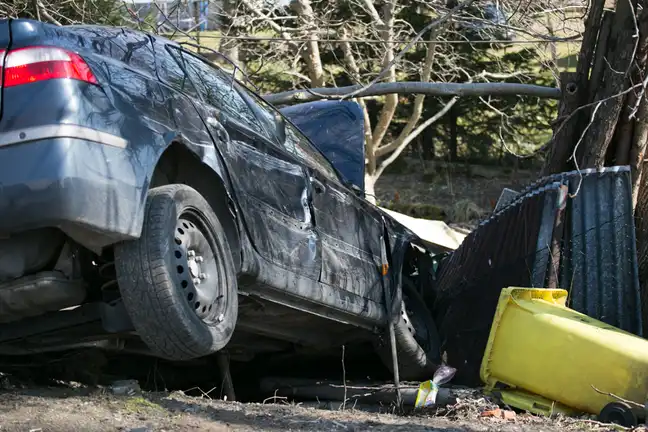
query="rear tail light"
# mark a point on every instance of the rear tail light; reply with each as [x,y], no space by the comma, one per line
[33,64]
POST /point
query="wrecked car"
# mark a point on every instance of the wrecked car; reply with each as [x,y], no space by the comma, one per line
[152,203]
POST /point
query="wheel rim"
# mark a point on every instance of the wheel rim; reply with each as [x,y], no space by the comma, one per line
[415,323]
[197,267]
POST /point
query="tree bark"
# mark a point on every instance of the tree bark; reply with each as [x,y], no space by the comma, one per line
[592,27]
[621,50]
[599,64]
[566,125]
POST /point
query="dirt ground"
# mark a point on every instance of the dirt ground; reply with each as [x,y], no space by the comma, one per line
[68,409]
[442,187]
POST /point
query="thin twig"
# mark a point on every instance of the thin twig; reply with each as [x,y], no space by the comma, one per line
[619,398]
[274,399]
[574,157]
[203,393]
[409,45]
[344,380]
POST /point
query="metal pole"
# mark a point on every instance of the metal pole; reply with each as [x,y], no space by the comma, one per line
[390,322]
[226,377]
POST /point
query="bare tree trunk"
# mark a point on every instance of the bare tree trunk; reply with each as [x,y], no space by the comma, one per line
[417,109]
[310,53]
[453,142]
[616,130]
[370,188]
[621,51]
[566,126]
[196,10]
[229,45]
[391,101]
[350,61]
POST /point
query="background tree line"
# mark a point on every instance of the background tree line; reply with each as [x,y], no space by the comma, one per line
[317,43]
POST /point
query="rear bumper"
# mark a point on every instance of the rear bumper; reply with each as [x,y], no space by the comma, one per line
[91,189]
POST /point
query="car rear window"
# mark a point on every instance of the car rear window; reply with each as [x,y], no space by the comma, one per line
[218,90]
[170,72]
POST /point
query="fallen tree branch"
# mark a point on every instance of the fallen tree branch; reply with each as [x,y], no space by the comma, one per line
[415,87]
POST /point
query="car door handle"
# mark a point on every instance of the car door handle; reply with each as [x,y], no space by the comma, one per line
[318,186]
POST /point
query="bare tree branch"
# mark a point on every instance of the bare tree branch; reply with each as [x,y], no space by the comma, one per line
[384,164]
[410,44]
[46,14]
[417,108]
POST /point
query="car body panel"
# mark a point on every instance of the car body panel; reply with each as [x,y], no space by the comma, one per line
[313,249]
[131,103]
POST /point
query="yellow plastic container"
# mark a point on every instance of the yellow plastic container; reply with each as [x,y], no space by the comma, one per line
[539,345]
[532,403]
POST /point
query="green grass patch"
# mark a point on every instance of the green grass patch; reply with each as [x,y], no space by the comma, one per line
[141,405]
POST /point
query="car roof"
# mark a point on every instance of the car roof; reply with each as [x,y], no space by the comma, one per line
[118,29]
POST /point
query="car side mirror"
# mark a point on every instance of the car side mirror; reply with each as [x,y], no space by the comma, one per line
[357,189]
[281,128]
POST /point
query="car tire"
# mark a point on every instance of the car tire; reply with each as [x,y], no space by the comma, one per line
[177,281]
[417,339]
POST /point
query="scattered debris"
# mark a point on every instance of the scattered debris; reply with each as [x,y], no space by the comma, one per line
[507,197]
[499,413]
[428,390]
[358,395]
[125,388]
[437,234]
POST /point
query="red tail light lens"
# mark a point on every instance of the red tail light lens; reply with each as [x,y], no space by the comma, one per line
[33,64]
